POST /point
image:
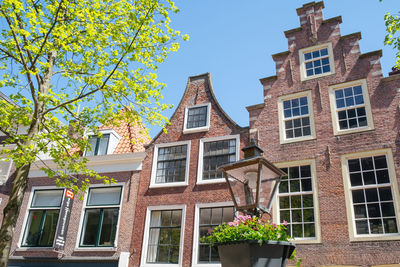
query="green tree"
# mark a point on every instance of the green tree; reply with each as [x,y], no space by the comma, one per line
[57,55]
[392,37]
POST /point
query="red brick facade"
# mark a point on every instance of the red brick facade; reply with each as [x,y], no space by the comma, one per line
[198,91]
[335,247]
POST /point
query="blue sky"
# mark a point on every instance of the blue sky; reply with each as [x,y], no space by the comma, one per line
[234,41]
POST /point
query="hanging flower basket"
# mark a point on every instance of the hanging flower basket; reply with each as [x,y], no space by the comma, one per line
[251,242]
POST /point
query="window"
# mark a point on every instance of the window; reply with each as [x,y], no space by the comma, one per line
[5,167]
[98,145]
[197,118]
[350,107]
[297,201]
[100,222]
[296,119]
[163,236]
[371,196]
[42,218]
[170,164]
[207,217]
[316,61]
[214,152]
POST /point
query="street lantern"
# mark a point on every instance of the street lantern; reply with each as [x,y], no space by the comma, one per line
[253,182]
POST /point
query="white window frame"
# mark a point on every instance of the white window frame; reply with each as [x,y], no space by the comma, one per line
[154,166]
[303,74]
[201,153]
[276,215]
[282,130]
[84,206]
[25,221]
[196,233]
[143,261]
[112,141]
[197,129]
[354,237]
[367,105]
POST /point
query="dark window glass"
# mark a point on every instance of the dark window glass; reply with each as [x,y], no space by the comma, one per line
[196,117]
[317,62]
[215,154]
[171,164]
[42,223]
[373,207]
[296,204]
[348,116]
[100,224]
[209,219]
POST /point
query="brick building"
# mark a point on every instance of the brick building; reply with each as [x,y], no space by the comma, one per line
[181,194]
[100,223]
[331,121]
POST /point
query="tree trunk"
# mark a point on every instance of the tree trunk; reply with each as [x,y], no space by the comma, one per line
[11,212]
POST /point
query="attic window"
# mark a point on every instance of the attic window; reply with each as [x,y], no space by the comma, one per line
[98,145]
[316,61]
[103,145]
[197,118]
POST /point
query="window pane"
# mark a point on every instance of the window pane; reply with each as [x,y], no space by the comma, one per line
[171,164]
[374,205]
[164,236]
[197,117]
[103,145]
[90,151]
[104,196]
[216,154]
[90,227]
[47,198]
[109,227]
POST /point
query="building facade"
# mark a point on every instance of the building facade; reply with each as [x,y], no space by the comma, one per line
[181,193]
[100,221]
[331,120]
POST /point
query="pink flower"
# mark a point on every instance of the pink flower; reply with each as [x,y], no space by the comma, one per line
[285,223]
[274,225]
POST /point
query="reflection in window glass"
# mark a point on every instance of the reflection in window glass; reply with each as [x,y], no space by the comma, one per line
[317,62]
[296,204]
[296,117]
[164,236]
[215,154]
[371,194]
[171,164]
[42,219]
[101,217]
[196,117]
[209,219]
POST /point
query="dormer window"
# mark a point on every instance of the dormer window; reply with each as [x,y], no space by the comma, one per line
[197,118]
[103,145]
[99,145]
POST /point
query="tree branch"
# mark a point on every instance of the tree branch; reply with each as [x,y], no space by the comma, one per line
[48,34]
[112,72]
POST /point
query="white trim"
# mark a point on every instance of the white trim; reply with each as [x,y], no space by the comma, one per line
[143,260]
[317,223]
[348,197]
[201,151]
[28,208]
[84,206]
[100,164]
[303,74]
[154,166]
[197,129]
[367,105]
[196,231]
[282,130]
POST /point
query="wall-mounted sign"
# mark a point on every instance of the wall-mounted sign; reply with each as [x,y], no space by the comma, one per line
[63,220]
